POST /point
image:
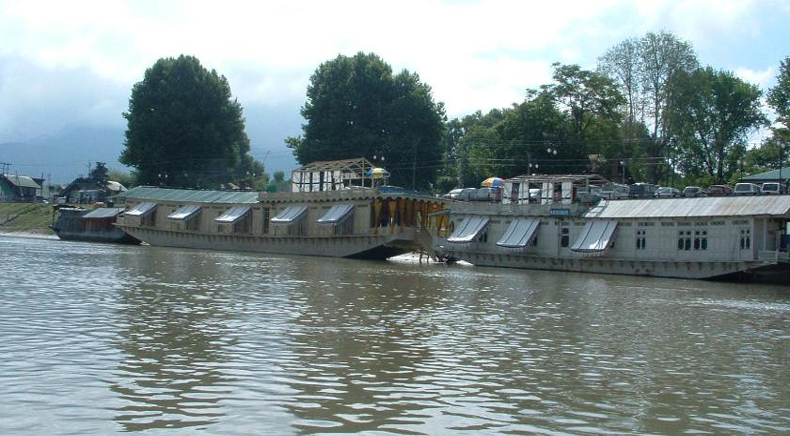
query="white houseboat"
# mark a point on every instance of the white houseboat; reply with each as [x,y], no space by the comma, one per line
[335,208]
[566,229]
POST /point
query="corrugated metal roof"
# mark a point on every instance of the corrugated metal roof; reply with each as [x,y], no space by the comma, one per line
[22,181]
[773,205]
[188,195]
[105,212]
[769,175]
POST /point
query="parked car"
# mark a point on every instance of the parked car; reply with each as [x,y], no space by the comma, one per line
[719,191]
[487,194]
[453,194]
[772,188]
[746,189]
[467,194]
[614,191]
[667,192]
[642,190]
[694,191]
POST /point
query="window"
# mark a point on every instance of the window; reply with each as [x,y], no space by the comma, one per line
[746,239]
[700,240]
[684,240]
[566,237]
[641,239]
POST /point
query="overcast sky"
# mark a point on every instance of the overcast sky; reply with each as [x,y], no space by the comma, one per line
[72,63]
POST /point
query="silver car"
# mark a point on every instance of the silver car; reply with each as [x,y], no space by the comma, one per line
[667,192]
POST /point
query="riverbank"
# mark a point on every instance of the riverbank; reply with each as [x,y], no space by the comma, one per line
[30,218]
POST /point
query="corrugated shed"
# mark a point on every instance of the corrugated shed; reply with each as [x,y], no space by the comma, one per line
[22,181]
[192,196]
[706,207]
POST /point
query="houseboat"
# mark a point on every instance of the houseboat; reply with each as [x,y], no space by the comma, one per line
[565,228]
[97,225]
[335,208]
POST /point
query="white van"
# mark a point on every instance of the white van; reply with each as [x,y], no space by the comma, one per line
[746,189]
[772,188]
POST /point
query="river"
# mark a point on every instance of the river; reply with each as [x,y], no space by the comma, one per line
[100,338]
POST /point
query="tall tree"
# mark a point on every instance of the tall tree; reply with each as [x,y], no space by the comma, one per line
[356,107]
[711,113]
[663,55]
[623,63]
[591,102]
[779,100]
[99,173]
[185,129]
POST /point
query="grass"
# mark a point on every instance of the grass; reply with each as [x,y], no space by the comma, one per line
[26,218]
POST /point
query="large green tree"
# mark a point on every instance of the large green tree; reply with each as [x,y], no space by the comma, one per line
[185,128]
[356,107]
[643,69]
[711,113]
[779,100]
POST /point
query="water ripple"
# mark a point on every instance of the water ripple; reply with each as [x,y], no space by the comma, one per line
[101,338]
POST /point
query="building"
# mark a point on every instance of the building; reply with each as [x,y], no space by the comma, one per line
[15,188]
[87,191]
[781,175]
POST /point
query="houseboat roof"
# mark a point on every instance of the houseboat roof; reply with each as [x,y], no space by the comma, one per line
[190,195]
[704,207]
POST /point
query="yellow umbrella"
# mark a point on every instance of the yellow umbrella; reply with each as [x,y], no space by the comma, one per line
[377,173]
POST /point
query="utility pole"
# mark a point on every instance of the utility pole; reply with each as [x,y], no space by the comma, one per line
[5,167]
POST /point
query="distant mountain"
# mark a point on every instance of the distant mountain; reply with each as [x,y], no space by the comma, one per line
[63,156]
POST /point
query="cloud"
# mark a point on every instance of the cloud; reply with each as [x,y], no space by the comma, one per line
[476,55]
[35,99]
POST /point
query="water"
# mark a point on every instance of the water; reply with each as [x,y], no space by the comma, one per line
[100,339]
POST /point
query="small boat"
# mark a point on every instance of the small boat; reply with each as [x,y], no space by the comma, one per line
[92,225]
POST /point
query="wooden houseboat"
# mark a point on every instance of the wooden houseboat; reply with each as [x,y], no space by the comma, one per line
[334,208]
[97,225]
[565,229]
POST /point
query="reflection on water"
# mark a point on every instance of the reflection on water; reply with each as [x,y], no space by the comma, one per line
[110,338]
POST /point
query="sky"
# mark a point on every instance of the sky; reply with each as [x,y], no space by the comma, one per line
[69,65]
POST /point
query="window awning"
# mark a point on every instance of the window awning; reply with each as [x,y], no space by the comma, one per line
[519,233]
[185,212]
[335,215]
[596,237]
[233,214]
[104,212]
[142,209]
[289,215]
[469,228]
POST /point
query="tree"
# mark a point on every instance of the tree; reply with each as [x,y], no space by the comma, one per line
[779,100]
[356,107]
[99,173]
[591,102]
[711,113]
[623,63]
[185,129]
[122,177]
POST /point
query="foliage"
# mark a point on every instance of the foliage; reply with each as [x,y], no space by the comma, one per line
[356,107]
[184,128]
[776,148]
[643,69]
[126,179]
[779,95]
[711,113]
[99,173]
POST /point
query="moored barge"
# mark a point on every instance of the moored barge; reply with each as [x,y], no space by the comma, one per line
[334,208]
[563,228]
